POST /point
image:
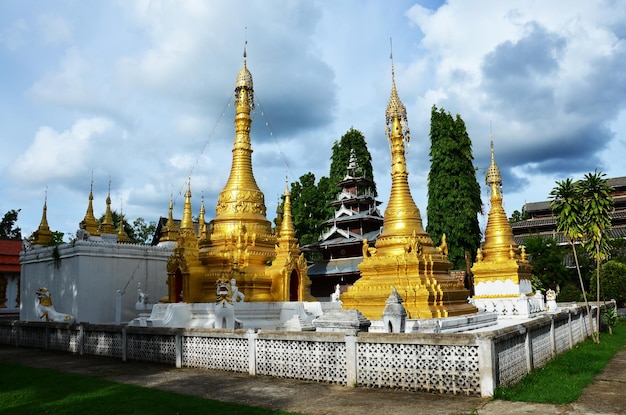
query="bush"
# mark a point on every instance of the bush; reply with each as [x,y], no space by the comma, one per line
[612,282]
[570,293]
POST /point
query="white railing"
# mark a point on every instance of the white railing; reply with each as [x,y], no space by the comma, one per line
[458,363]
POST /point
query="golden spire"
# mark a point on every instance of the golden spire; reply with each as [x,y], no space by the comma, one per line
[241,192]
[402,216]
[89,223]
[201,222]
[122,236]
[43,235]
[186,223]
[286,227]
[107,225]
[498,234]
[170,231]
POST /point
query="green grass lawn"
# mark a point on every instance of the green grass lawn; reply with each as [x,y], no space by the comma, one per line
[25,390]
[563,379]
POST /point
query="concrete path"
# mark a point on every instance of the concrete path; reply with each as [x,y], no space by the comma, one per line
[606,395]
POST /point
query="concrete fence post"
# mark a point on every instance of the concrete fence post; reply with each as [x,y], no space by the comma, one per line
[252,336]
[488,367]
[124,345]
[178,342]
[351,361]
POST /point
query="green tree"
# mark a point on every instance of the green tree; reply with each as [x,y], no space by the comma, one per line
[597,204]
[453,192]
[139,232]
[310,201]
[546,258]
[8,230]
[143,231]
[582,211]
[518,216]
[612,282]
[308,208]
[351,140]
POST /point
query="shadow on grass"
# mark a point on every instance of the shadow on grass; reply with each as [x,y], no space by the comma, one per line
[26,390]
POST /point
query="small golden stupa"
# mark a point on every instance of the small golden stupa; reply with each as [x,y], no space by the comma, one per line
[43,234]
[240,242]
[404,256]
[500,271]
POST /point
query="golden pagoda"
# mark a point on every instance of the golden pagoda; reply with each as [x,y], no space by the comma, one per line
[404,256]
[89,222]
[43,234]
[239,242]
[107,225]
[500,271]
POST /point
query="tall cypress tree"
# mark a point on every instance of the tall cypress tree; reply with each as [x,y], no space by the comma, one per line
[453,192]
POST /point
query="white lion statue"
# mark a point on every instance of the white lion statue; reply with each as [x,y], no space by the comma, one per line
[46,310]
[226,293]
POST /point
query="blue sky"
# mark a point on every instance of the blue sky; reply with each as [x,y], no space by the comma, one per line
[138,94]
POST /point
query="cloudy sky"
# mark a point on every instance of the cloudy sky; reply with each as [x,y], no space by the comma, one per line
[139,94]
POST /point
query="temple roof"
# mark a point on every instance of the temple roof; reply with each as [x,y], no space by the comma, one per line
[335,267]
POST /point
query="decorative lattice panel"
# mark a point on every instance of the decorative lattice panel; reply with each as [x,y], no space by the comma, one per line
[511,360]
[65,340]
[151,348]
[216,353]
[7,335]
[541,345]
[297,359]
[419,367]
[102,343]
[32,336]
[561,334]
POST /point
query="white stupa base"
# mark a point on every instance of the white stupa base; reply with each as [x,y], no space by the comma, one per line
[522,306]
[257,315]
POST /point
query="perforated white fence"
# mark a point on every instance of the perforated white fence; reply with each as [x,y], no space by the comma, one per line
[460,363]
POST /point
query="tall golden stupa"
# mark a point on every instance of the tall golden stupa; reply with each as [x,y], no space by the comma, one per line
[240,242]
[404,256]
[500,271]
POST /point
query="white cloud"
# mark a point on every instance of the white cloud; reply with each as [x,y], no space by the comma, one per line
[58,156]
[54,29]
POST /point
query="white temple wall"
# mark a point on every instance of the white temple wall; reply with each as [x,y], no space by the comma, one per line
[84,278]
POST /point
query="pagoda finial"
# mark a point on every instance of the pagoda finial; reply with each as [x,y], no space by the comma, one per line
[402,216]
[43,235]
[396,109]
[89,223]
[286,229]
[241,197]
[170,231]
[107,225]
[122,236]
[494,178]
[186,223]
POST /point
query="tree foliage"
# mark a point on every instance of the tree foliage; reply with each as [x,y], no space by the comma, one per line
[518,216]
[546,258]
[8,230]
[139,232]
[351,140]
[612,282]
[453,192]
[310,201]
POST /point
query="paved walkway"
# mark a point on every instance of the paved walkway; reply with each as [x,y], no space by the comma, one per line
[606,395]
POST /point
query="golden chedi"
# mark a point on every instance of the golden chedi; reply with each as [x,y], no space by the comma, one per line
[404,256]
[501,272]
[240,242]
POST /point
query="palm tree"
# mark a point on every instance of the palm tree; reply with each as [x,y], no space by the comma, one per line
[597,204]
[567,208]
